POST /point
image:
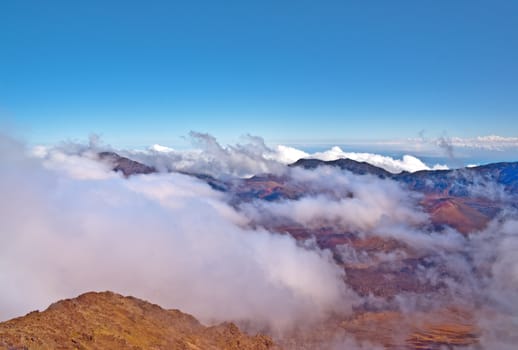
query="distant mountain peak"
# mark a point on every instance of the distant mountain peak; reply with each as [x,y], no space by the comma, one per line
[359,168]
[125,165]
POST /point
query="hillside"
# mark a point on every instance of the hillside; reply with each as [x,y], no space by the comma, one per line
[111,321]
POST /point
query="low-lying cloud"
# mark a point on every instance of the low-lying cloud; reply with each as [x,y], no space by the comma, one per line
[168,238]
[72,225]
[343,200]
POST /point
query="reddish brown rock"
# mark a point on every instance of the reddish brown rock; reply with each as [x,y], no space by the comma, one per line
[110,321]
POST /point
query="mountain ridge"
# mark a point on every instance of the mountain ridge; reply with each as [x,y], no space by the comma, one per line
[504,173]
[106,320]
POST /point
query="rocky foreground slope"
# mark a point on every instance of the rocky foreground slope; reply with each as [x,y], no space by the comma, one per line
[111,321]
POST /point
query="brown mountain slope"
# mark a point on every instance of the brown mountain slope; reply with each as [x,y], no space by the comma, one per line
[437,329]
[110,321]
[466,215]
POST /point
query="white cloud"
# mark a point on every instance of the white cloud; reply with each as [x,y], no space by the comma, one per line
[85,165]
[209,157]
[255,157]
[159,148]
[408,163]
[343,200]
[287,155]
[167,238]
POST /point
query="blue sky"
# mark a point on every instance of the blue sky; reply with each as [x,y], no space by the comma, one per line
[304,72]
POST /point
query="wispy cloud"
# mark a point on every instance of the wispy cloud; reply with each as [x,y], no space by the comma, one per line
[490,142]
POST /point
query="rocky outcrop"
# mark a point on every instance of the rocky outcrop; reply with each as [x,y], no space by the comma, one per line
[111,321]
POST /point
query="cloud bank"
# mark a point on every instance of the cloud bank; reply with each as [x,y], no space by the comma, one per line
[71,225]
[255,157]
[168,238]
